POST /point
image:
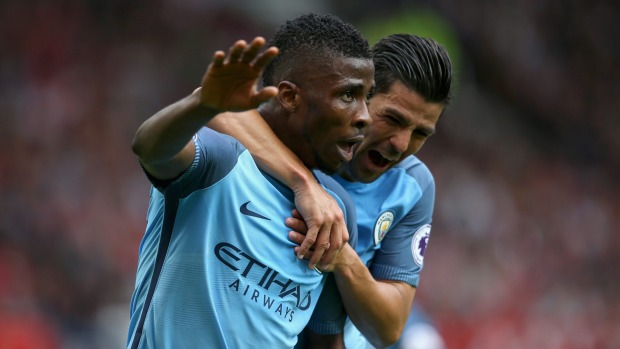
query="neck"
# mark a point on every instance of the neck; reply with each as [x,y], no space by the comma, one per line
[343,171]
[289,130]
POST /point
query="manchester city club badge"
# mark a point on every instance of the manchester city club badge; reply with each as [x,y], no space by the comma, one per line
[383,225]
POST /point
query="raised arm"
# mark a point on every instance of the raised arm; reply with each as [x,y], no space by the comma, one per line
[164,143]
[327,231]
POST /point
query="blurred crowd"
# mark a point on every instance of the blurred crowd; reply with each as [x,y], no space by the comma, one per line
[525,239]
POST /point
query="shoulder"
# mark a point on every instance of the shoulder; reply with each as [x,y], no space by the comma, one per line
[422,212]
[216,156]
[207,138]
[417,169]
[216,151]
[332,185]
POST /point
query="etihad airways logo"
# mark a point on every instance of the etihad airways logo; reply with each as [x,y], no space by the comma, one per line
[270,280]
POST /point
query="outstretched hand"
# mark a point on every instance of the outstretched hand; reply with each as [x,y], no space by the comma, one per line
[230,82]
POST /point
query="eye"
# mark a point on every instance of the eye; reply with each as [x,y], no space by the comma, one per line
[391,119]
[348,96]
[421,133]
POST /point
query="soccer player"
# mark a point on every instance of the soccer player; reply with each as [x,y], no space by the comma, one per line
[393,190]
[215,268]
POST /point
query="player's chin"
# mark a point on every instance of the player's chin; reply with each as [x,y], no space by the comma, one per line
[330,164]
[331,169]
[364,171]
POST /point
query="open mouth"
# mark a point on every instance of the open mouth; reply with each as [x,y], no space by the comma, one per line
[346,149]
[377,159]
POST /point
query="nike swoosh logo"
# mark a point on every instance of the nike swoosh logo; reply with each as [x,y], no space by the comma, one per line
[246,211]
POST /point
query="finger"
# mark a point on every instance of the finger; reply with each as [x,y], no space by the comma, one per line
[320,246]
[297,225]
[308,255]
[308,242]
[235,51]
[252,50]
[319,270]
[218,59]
[296,237]
[265,57]
[296,214]
[322,243]
[337,235]
[264,95]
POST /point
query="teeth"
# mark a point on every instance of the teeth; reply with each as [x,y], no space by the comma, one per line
[381,159]
[385,157]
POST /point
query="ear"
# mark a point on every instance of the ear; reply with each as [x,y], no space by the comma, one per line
[288,96]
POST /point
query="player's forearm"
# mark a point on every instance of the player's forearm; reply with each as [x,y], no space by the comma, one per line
[165,134]
[378,309]
[271,155]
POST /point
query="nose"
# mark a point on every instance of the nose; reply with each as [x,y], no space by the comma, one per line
[400,141]
[362,119]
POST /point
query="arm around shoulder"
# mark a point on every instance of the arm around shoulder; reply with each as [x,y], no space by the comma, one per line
[326,228]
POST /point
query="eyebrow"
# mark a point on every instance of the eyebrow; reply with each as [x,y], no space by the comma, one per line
[395,113]
[354,84]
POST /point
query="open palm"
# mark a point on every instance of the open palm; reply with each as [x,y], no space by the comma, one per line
[231,80]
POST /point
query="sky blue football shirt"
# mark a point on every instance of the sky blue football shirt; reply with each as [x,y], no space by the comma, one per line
[230,278]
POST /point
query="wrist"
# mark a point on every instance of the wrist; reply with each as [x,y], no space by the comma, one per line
[300,179]
[199,108]
[344,262]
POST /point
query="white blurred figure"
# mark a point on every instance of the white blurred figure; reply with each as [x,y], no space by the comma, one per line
[419,333]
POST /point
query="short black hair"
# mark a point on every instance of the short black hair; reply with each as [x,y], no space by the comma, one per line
[312,37]
[421,64]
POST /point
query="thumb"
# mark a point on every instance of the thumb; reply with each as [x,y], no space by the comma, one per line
[264,95]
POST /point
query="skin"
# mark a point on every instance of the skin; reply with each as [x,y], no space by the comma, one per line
[163,143]
[319,119]
[321,123]
[402,122]
[327,112]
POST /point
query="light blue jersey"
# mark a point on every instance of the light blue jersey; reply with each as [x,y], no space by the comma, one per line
[230,278]
[390,211]
[394,216]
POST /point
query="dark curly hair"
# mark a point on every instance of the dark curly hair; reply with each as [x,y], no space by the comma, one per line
[421,64]
[309,38]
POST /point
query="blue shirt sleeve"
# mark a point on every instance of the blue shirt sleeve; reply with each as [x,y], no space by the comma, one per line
[216,155]
[401,255]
